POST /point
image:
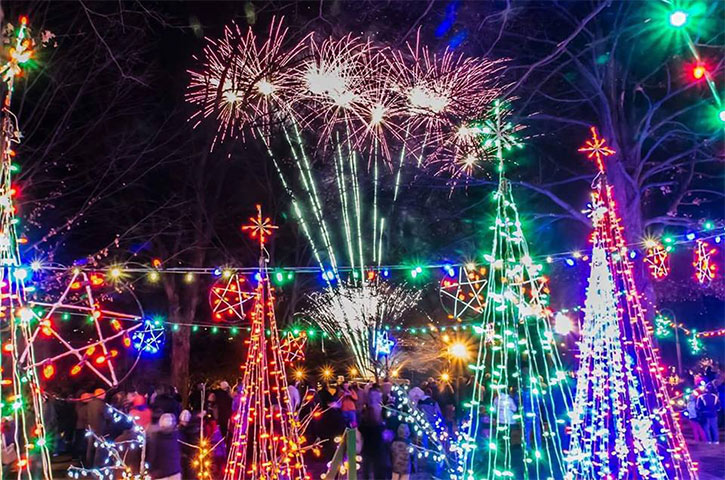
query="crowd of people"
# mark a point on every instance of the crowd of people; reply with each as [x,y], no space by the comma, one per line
[82,426]
[384,442]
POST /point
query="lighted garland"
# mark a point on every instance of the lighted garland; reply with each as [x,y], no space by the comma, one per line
[431,438]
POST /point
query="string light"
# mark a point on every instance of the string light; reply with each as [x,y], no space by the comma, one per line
[114,463]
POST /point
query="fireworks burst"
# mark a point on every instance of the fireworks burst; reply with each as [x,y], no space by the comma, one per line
[245,84]
[334,82]
[356,313]
[443,91]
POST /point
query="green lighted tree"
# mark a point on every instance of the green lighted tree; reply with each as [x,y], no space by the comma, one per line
[519,381]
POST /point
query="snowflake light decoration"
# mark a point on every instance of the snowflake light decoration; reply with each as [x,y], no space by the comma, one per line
[384,344]
[596,148]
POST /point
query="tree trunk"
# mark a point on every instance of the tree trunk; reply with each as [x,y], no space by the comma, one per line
[629,208]
[180,347]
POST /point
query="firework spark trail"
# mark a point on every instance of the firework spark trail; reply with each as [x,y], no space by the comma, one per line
[354,313]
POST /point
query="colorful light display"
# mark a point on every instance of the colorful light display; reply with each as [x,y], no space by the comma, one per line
[108,336]
[462,291]
[24,402]
[518,361]
[267,441]
[114,459]
[623,423]
[293,347]
[705,268]
[657,258]
[228,297]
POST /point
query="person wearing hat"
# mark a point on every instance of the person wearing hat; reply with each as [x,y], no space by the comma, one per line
[164,450]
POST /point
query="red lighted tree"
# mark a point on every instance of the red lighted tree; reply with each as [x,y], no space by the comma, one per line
[267,440]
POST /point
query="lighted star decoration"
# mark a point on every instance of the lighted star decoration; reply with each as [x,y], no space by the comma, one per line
[384,344]
[260,227]
[462,291]
[97,356]
[150,338]
[596,148]
[292,347]
[704,266]
[229,297]
[657,258]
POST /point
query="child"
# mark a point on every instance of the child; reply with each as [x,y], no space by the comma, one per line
[400,452]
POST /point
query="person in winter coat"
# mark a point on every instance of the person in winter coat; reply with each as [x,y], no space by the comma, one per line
[140,411]
[224,403]
[79,437]
[708,406]
[189,433]
[164,450]
[348,397]
[697,432]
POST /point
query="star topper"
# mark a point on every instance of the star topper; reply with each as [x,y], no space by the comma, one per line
[260,227]
[596,148]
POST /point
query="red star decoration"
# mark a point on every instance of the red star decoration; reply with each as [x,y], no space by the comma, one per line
[596,148]
[293,348]
[260,227]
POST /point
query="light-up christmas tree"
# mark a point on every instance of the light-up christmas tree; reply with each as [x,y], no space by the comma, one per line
[23,403]
[520,400]
[267,440]
[623,424]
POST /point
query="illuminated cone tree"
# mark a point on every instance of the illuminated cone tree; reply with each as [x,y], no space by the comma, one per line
[517,362]
[623,425]
[19,390]
[266,441]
